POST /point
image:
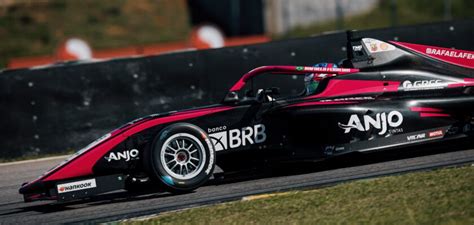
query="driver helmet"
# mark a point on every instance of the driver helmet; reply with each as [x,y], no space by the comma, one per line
[311,80]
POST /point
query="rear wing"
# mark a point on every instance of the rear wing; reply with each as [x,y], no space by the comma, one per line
[368,52]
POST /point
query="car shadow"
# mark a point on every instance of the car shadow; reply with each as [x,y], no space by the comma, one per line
[344,161]
[108,198]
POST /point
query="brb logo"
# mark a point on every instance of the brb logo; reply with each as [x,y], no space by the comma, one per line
[382,122]
[237,137]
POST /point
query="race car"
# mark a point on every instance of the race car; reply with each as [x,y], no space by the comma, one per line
[385,95]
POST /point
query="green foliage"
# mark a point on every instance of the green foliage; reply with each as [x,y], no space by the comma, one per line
[408,12]
[38,27]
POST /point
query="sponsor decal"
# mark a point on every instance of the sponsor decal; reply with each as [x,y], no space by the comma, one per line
[211,158]
[457,57]
[375,46]
[235,138]
[357,48]
[124,155]
[216,129]
[422,85]
[395,130]
[416,137]
[211,163]
[382,122]
[435,133]
[348,99]
[449,53]
[219,140]
[330,149]
[76,186]
[299,68]
[327,69]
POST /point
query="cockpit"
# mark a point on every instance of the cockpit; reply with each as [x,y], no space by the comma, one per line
[245,90]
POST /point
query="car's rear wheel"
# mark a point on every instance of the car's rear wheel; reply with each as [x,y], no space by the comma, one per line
[182,157]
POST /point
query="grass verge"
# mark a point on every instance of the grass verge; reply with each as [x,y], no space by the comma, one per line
[444,196]
[408,12]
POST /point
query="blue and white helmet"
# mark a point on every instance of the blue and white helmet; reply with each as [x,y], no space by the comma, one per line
[311,80]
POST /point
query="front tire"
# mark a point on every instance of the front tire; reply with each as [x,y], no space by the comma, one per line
[182,157]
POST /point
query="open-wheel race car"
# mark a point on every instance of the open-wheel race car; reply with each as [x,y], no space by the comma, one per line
[385,95]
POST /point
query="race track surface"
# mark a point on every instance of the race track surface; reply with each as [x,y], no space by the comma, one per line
[121,205]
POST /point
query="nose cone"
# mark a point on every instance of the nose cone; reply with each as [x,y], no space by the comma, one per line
[35,186]
[36,190]
[28,187]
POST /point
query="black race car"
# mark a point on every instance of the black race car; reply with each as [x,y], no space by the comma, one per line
[386,95]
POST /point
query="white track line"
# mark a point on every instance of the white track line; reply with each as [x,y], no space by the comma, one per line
[34,160]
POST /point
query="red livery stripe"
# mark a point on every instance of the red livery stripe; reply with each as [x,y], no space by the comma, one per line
[468,82]
[424,109]
[434,115]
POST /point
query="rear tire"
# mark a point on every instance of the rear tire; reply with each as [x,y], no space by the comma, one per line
[182,157]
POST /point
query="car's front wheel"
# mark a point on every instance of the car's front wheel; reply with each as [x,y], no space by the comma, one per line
[182,157]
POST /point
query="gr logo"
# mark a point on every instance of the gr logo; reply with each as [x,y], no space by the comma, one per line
[238,137]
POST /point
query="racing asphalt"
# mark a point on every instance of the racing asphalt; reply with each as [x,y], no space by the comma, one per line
[119,205]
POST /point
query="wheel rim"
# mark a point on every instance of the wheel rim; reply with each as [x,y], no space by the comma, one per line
[183,156]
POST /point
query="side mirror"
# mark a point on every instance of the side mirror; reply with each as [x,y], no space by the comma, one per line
[249,93]
[268,94]
[272,91]
[231,97]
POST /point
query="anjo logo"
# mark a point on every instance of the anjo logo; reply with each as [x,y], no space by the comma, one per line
[124,155]
[382,122]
